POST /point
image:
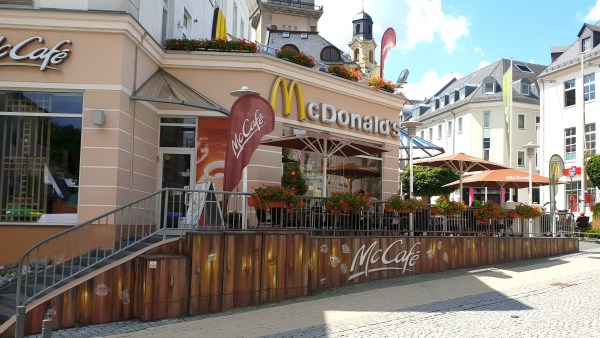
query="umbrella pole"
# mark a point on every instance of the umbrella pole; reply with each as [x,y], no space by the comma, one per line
[325,176]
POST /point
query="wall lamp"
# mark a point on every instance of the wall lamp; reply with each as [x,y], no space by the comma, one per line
[98,118]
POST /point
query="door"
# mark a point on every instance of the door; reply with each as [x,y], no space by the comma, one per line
[177,172]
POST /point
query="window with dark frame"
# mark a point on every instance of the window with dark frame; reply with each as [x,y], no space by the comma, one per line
[521,121]
[570,98]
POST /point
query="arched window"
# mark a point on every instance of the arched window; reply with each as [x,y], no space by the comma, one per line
[357,29]
[356,54]
[489,85]
[370,30]
[291,48]
[371,56]
[330,54]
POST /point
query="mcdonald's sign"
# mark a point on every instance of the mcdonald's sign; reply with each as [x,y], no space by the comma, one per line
[327,113]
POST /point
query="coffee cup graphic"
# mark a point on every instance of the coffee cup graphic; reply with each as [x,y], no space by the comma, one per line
[214,170]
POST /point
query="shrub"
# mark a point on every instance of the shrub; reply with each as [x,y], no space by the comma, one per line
[528,211]
[445,207]
[296,57]
[399,204]
[221,45]
[343,72]
[342,202]
[379,83]
[487,211]
[275,193]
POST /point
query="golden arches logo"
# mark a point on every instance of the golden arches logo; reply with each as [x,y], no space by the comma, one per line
[555,171]
[288,92]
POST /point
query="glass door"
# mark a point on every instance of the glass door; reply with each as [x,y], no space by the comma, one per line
[178,172]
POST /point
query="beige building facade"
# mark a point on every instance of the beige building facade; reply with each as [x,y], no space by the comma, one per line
[103,149]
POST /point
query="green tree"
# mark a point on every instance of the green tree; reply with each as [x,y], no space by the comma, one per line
[592,169]
[429,181]
[292,178]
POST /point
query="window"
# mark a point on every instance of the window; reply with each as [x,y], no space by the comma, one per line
[590,137]
[486,143]
[460,124]
[486,154]
[570,93]
[589,87]
[461,93]
[489,85]
[165,16]
[242,29]
[440,131]
[525,87]
[285,34]
[521,121]
[423,134]
[570,141]
[356,54]
[371,56]
[449,128]
[486,119]
[430,134]
[40,150]
[524,68]
[235,20]
[521,158]
[330,54]
[290,48]
[302,35]
[586,44]
[357,31]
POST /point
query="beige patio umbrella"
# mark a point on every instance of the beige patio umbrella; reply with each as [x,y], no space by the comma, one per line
[502,178]
[462,163]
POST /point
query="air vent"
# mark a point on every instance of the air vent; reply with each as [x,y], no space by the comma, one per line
[286,34]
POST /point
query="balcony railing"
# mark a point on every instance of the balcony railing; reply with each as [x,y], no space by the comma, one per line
[296,4]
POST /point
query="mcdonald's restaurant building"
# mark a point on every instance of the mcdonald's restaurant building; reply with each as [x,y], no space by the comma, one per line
[88,121]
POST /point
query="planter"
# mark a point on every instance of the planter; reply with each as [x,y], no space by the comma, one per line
[252,202]
[275,205]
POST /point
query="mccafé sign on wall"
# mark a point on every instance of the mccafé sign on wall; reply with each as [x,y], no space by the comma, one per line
[26,50]
[327,113]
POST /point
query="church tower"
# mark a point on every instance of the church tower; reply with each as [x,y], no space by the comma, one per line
[362,46]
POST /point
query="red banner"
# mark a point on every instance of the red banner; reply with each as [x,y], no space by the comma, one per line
[388,41]
[251,118]
[212,144]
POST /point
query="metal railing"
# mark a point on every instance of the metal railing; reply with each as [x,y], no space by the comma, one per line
[295,3]
[175,211]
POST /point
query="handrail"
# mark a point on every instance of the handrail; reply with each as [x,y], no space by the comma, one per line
[73,251]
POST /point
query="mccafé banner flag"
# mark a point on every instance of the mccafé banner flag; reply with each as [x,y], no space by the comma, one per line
[388,41]
[251,118]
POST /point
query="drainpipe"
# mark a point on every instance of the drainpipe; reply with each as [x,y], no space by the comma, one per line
[453,132]
[134,88]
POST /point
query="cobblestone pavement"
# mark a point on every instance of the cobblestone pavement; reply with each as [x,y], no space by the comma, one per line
[550,297]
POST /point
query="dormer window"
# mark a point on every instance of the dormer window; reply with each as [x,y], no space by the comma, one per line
[525,87]
[290,47]
[586,44]
[489,85]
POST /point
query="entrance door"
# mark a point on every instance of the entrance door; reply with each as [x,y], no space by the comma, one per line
[177,171]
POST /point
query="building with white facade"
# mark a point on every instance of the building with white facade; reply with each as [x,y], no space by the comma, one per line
[568,114]
[467,116]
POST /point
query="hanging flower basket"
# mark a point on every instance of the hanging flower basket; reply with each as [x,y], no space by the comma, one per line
[397,203]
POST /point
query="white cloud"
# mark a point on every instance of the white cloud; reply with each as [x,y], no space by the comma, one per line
[482,64]
[429,85]
[425,20]
[477,50]
[594,14]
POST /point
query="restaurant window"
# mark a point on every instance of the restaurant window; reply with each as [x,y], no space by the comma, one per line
[570,141]
[311,165]
[40,147]
[177,132]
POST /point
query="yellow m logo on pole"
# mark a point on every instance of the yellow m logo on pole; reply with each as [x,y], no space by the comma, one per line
[287,93]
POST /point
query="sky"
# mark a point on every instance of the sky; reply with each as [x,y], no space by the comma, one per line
[437,40]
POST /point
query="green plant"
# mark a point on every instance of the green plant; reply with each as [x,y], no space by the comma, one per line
[342,202]
[592,169]
[296,57]
[293,178]
[596,212]
[275,193]
[379,83]
[343,72]
[487,211]
[430,181]
[399,204]
[217,44]
[528,211]
[81,322]
[446,207]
